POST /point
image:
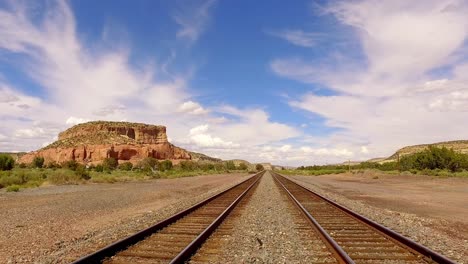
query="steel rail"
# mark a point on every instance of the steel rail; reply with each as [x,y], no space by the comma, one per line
[437,257]
[112,249]
[185,254]
[328,239]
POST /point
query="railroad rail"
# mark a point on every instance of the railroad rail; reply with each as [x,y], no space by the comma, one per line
[353,237]
[175,239]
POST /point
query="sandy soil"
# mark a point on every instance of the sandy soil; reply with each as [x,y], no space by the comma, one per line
[431,210]
[45,225]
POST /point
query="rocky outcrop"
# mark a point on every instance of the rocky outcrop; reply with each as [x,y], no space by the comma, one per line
[92,142]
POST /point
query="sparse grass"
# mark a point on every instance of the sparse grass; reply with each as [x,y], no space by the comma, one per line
[312,172]
[35,177]
[13,188]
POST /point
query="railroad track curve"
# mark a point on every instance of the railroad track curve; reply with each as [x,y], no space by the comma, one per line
[353,237]
[175,239]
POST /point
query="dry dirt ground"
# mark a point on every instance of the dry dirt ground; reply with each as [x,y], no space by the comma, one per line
[430,210]
[57,224]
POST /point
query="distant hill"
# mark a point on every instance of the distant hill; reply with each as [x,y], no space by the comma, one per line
[457,145]
[202,157]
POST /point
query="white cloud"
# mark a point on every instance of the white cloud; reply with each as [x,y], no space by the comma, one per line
[193,19]
[200,137]
[364,150]
[391,100]
[285,148]
[192,108]
[298,37]
[76,120]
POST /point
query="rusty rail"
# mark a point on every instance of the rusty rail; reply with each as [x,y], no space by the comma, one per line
[412,246]
[114,248]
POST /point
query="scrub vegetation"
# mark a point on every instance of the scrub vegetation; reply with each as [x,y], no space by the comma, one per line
[434,161]
[14,177]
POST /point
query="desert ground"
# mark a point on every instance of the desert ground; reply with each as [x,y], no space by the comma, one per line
[57,224]
[431,210]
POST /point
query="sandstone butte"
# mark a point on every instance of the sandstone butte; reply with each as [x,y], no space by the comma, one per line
[92,142]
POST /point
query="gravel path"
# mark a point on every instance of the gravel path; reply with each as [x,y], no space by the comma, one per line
[267,231]
[438,234]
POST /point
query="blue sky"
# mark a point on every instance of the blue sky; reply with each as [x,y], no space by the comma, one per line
[294,83]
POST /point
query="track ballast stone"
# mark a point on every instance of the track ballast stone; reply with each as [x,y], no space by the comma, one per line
[267,231]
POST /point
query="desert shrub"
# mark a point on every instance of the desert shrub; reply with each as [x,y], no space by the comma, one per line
[165,165]
[53,165]
[99,168]
[110,163]
[188,165]
[435,158]
[71,165]
[242,166]
[126,166]
[22,165]
[6,162]
[63,176]
[259,167]
[219,166]
[38,162]
[82,172]
[147,164]
[230,165]
[206,166]
[13,188]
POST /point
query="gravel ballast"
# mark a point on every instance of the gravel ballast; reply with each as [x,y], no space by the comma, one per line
[266,232]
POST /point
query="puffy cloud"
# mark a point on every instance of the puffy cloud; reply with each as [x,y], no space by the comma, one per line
[391,99]
[192,108]
[200,137]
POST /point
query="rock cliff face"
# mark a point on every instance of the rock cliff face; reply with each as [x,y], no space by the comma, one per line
[94,141]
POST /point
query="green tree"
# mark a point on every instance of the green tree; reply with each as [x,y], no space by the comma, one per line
[259,167]
[6,162]
[38,162]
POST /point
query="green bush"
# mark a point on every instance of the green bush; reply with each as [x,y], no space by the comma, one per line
[99,168]
[82,172]
[71,165]
[188,165]
[38,162]
[126,166]
[6,162]
[53,165]
[147,164]
[230,165]
[259,167]
[64,176]
[13,188]
[165,165]
[242,166]
[110,163]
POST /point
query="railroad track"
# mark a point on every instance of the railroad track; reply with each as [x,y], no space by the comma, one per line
[177,238]
[352,237]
